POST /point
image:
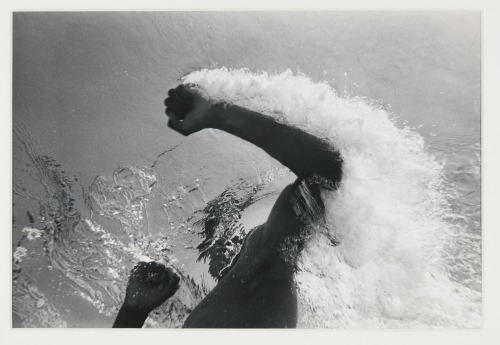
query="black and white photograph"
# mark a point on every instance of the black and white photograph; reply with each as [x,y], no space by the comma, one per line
[312,169]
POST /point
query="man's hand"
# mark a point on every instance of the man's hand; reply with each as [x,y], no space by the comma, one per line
[150,285]
[187,109]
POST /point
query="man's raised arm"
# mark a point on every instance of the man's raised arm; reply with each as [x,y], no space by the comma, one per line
[303,153]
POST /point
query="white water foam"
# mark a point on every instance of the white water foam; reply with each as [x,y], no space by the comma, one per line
[389,269]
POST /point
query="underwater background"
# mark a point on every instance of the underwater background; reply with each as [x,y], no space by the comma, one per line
[100,182]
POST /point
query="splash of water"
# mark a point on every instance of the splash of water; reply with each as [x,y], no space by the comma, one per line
[389,269]
[393,217]
[79,250]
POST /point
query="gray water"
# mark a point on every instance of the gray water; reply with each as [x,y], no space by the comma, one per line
[103,181]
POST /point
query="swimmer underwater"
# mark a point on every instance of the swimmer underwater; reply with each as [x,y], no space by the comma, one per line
[259,290]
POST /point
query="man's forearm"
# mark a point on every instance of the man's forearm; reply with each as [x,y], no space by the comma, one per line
[130,318]
[303,153]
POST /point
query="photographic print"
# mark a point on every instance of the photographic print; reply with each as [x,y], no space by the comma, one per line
[231,169]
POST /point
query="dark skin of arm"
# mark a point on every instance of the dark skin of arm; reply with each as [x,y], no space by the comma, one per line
[301,152]
[149,285]
[259,290]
